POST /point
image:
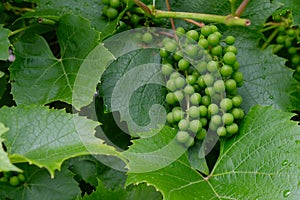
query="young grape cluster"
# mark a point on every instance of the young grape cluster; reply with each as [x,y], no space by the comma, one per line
[14,179]
[202,78]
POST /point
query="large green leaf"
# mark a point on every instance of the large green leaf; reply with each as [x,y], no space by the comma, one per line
[267,80]
[294,6]
[261,162]
[39,77]
[48,137]
[39,185]
[4,43]
[5,164]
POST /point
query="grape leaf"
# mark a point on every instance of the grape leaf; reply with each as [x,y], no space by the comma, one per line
[4,43]
[89,9]
[141,191]
[265,155]
[267,80]
[39,77]
[48,137]
[39,185]
[5,164]
[294,6]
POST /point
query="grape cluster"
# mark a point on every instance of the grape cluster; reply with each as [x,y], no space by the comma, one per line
[202,79]
[112,8]
[14,179]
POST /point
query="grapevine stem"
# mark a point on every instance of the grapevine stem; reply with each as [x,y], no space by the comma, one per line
[199,24]
[19,30]
[227,20]
[271,37]
[171,19]
[241,8]
[143,6]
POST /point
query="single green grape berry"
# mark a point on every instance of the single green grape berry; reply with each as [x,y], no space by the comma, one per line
[219,86]
[230,85]
[14,181]
[216,50]
[203,43]
[206,30]
[217,33]
[280,39]
[288,42]
[292,50]
[226,70]
[180,30]
[295,59]
[170,118]
[195,126]
[213,28]
[201,134]
[194,112]
[232,128]
[291,32]
[232,49]
[105,2]
[212,66]
[104,10]
[177,115]
[171,98]
[298,69]
[191,50]
[227,118]
[203,111]
[213,39]
[191,79]
[236,66]
[190,142]
[221,131]
[3,179]
[206,100]
[111,13]
[179,95]
[195,99]
[230,40]
[210,91]
[237,100]
[182,137]
[171,46]
[134,19]
[167,69]
[189,90]
[164,53]
[237,113]
[203,121]
[226,104]
[147,37]
[193,34]
[174,75]
[201,66]
[177,55]
[184,124]
[229,58]
[21,177]
[115,3]
[208,79]
[179,82]
[171,85]
[201,82]
[183,64]
[166,40]
[213,109]
[238,76]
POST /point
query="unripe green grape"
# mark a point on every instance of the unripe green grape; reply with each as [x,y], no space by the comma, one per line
[238,76]
[179,95]
[174,75]
[177,115]
[226,104]
[203,43]
[201,66]
[298,69]
[178,55]
[217,33]
[227,118]
[21,177]
[212,66]
[212,126]
[179,82]
[213,39]
[232,49]
[182,137]
[216,50]
[114,3]
[3,179]
[208,79]
[134,19]
[167,69]
[180,30]
[195,98]
[183,64]
[230,85]
[201,82]
[183,125]
[206,30]
[237,100]
[189,90]
[164,53]
[201,134]
[288,42]
[292,50]
[191,79]
[232,128]
[194,112]
[195,126]
[190,142]
[203,121]
[210,91]
[14,181]
[171,85]
[280,39]
[295,59]
[237,113]
[171,46]
[191,50]
[166,40]
[230,40]
[213,28]
[171,98]
[229,58]
[206,101]
[291,32]
[216,120]
[111,13]
[213,109]
[236,66]
[105,2]
[147,37]
[219,86]
[203,111]
[170,118]
[226,70]
[221,131]
[193,34]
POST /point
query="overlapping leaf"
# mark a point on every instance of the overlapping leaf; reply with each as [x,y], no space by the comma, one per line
[4,43]
[46,137]
[294,6]
[265,155]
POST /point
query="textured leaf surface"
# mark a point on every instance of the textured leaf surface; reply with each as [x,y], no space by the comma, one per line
[39,185]
[267,80]
[265,155]
[295,7]
[5,164]
[4,43]
[39,77]
[48,137]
